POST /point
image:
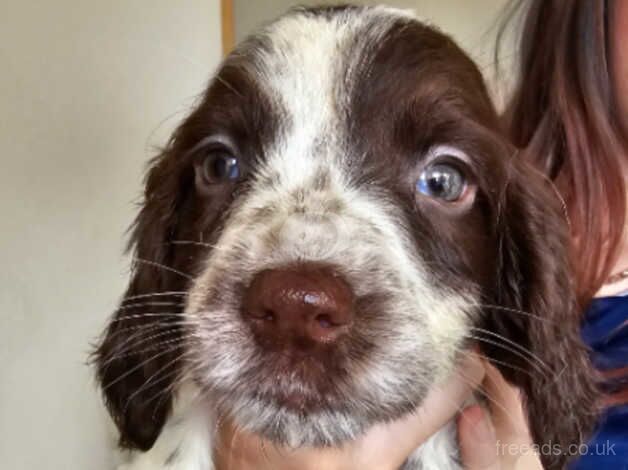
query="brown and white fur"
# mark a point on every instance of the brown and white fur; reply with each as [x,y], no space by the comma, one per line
[333,113]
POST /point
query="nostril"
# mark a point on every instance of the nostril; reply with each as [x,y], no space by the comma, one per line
[268,315]
[324,321]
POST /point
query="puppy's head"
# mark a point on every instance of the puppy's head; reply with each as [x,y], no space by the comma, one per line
[330,230]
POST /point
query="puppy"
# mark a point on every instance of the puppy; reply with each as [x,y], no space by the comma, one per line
[337,223]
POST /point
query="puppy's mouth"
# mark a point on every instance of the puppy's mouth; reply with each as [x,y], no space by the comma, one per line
[302,382]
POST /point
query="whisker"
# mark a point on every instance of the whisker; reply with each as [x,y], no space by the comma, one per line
[514,310]
[511,366]
[153,303]
[511,350]
[128,347]
[557,193]
[139,330]
[150,327]
[137,316]
[163,394]
[228,85]
[197,243]
[152,379]
[164,267]
[516,345]
[496,361]
[157,346]
[155,294]
[138,366]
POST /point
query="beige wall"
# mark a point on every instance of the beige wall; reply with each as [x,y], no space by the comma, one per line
[86,89]
[472,23]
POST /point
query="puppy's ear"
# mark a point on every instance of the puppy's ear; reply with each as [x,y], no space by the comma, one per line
[541,315]
[138,357]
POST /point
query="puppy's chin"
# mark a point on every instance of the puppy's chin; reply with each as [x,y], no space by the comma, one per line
[288,427]
[291,425]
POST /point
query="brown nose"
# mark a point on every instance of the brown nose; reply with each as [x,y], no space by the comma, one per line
[304,306]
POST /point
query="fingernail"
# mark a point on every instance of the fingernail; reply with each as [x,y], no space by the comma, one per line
[479,422]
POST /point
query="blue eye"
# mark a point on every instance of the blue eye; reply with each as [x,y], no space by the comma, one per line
[221,166]
[442,181]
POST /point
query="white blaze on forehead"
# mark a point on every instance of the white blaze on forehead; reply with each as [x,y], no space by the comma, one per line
[306,70]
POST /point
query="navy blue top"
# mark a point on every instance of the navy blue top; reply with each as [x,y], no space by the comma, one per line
[605,330]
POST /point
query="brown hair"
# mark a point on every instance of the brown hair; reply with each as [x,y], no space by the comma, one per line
[562,115]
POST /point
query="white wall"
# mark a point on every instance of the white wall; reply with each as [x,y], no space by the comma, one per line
[86,89]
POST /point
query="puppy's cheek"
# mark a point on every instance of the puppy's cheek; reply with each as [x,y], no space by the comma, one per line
[450,325]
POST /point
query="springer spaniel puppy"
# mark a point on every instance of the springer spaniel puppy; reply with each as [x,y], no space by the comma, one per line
[337,223]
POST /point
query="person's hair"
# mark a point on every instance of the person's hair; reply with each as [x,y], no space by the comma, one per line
[563,116]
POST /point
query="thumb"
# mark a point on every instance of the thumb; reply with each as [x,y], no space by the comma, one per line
[477,440]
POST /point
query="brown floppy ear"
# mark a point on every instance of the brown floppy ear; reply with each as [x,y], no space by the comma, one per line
[137,359]
[540,313]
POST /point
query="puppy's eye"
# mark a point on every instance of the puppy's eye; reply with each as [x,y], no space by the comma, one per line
[221,166]
[442,181]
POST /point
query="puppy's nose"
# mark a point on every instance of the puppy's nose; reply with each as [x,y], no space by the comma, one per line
[298,307]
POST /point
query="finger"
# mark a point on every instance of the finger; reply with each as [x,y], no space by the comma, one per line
[510,424]
[440,406]
[478,449]
[507,414]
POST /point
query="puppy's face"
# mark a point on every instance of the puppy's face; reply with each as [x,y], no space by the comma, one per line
[363,197]
[329,231]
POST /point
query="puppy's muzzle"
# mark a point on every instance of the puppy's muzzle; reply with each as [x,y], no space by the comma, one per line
[298,309]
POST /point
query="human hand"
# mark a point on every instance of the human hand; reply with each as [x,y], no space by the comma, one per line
[501,441]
